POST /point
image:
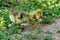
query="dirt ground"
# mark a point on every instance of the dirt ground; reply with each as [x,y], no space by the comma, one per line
[52,29]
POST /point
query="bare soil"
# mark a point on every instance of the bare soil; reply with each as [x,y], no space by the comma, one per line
[47,29]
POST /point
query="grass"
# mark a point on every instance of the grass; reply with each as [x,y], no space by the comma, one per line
[48,37]
[51,10]
[58,31]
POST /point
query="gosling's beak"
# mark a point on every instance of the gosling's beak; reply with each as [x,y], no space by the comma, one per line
[41,17]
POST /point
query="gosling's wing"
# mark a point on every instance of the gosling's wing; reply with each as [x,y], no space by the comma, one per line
[12,18]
